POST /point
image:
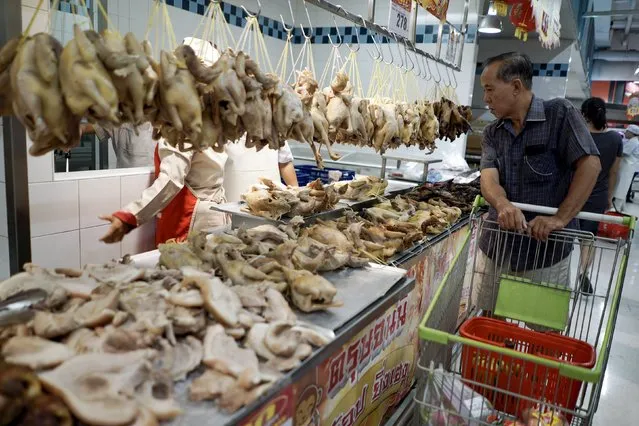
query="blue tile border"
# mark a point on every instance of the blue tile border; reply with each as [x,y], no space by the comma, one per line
[539,69]
[234,15]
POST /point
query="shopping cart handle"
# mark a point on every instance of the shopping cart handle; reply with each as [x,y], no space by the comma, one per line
[595,217]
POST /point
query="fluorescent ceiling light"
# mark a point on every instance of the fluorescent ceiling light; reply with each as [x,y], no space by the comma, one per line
[490,24]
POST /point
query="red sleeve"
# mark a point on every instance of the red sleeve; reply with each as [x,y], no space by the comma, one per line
[127,218]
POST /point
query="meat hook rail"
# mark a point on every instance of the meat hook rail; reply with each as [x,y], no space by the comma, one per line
[372,26]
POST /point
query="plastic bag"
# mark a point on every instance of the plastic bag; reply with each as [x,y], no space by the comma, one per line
[458,403]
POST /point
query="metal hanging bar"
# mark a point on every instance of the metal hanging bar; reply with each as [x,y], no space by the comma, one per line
[372,26]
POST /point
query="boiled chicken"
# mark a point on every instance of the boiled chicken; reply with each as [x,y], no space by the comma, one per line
[35,352]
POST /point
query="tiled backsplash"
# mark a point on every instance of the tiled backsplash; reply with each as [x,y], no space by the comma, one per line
[540,69]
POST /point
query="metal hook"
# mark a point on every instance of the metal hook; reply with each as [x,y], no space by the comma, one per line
[419,67]
[287,28]
[455,79]
[407,57]
[379,55]
[430,73]
[310,25]
[448,82]
[339,37]
[259,10]
[392,61]
[438,73]
[399,52]
[350,45]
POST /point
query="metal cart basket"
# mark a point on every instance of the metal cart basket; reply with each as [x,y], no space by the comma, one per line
[539,351]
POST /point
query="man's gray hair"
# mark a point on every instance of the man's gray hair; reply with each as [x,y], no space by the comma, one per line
[513,65]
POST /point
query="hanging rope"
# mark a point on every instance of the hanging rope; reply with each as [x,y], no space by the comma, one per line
[334,64]
[252,42]
[304,59]
[281,68]
[160,24]
[214,28]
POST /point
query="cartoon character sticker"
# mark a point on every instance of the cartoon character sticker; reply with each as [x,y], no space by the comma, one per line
[307,411]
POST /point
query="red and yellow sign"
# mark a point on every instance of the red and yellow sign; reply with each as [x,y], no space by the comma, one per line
[438,8]
[362,382]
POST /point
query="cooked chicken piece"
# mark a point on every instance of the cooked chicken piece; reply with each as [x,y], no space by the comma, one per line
[84,340]
[238,396]
[277,308]
[261,203]
[283,254]
[281,339]
[303,131]
[7,53]
[251,296]
[116,340]
[176,256]
[261,233]
[46,410]
[51,325]
[186,298]
[37,96]
[313,335]
[338,110]
[302,352]
[35,352]
[99,311]
[95,386]
[287,109]
[185,356]
[329,236]
[248,318]
[18,383]
[149,75]
[115,273]
[156,395]
[126,76]
[310,292]
[119,318]
[386,126]
[186,321]
[179,95]
[241,273]
[210,385]
[145,418]
[36,277]
[222,353]
[86,84]
[237,332]
[219,300]
[227,89]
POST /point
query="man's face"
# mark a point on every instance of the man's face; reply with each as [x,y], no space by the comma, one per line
[498,95]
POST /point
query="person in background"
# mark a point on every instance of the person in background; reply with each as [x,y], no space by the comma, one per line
[133,147]
[628,167]
[610,146]
[285,163]
[535,152]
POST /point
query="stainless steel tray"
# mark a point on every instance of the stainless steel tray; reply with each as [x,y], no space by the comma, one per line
[359,289]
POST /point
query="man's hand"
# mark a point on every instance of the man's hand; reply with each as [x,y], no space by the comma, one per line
[511,218]
[117,230]
[542,226]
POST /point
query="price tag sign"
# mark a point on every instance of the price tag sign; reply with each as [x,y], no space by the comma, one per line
[399,16]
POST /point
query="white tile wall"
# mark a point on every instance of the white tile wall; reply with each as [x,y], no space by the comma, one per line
[40,168]
[94,251]
[54,207]
[34,3]
[98,197]
[41,22]
[3,210]
[132,186]
[4,258]
[57,250]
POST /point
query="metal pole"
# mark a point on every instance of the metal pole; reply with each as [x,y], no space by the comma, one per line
[413,25]
[464,30]
[372,26]
[601,13]
[371,10]
[15,158]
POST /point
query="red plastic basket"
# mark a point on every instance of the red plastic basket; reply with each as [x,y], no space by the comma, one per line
[517,376]
[613,230]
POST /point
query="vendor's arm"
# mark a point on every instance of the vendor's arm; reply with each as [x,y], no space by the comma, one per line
[287,169]
[508,216]
[614,174]
[174,167]
[579,150]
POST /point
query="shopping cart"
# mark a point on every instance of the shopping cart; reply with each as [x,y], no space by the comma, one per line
[542,344]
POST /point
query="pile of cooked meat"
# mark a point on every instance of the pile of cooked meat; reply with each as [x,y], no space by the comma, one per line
[110,79]
[111,340]
[273,202]
[452,194]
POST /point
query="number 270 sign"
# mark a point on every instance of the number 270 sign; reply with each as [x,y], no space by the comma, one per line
[399,16]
